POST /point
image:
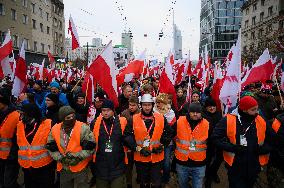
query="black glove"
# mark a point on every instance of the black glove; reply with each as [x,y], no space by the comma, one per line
[158,149]
[145,152]
[240,149]
[88,145]
[52,146]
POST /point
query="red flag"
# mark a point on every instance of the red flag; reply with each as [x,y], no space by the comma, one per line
[20,73]
[167,82]
[134,68]
[262,70]
[6,49]
[74,34]
[89,87]
[104,71]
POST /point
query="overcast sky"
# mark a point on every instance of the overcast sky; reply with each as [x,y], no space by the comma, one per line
[103,19]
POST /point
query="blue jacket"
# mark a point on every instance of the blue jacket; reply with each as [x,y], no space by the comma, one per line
[62,100]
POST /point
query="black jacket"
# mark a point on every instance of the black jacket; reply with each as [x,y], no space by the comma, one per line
[246,160]
[277,155]
[52,113]
[82,112]
[110,165]
[123,104]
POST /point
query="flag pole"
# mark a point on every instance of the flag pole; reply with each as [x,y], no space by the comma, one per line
[86,91]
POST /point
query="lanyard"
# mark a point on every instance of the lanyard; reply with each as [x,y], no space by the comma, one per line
[108,133]
[30,133]
[239,118]
[65,137]
[150,128]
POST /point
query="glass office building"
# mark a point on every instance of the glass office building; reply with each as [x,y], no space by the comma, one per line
[220,21]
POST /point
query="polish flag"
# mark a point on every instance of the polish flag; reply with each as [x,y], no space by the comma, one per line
[167,81]
[262,70]
[230,90]
[20,79]
[217,85]
[74,34]
[89,87]
[134,68]
[104,71]
[5,50]
[51,59]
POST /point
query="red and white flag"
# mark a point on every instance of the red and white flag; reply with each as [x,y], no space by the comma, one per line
[217,85]
[167,81]
[89,86]
[104,71]
[134,68]
[20,79]
[5,50]
[74,34]
[231,87]
[262,70]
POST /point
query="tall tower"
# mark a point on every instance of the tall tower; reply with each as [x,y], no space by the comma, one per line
[177,39]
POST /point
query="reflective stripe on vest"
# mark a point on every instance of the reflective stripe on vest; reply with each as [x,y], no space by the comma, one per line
[34,155]
[7,132]
[231,134]
[96,132]
[186,138]
[140,133]
[73,146]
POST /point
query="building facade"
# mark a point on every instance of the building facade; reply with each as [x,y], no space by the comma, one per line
[97,42]
[32,21]
[177,43]
[262,27]
[126,40]
[220,22]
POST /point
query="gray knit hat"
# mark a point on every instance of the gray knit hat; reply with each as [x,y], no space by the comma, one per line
[65,111]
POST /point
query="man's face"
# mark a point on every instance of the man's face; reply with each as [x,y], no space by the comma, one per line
[2,106]
[195,97]
[195,115]
[81,100]
[49,102]
[133,107]
[54,90]
[36,87]
[98,104]
[107,113]
[147,107]
[211,109]
[127,92]
[252,111]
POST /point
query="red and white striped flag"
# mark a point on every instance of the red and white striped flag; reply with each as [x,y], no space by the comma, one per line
[6,49]
[20,73]
[74,34]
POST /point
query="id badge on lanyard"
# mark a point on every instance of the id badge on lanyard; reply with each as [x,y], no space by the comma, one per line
[243,139]
[192,146]
[108,148]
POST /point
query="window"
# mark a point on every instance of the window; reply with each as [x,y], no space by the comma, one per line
[2,12]
[47,16]
[269,28]
[254,8]
[281,24]
[40,12]
[60,38]
[253,35]
[60,25]
[33,7]
[246,23]
[15,41]
[25,19]
[25,3]
[55,36]
[261,16]
[262,2]
[253,20]
[13,14]
[34,23]
[260,33]
[55,23]
[270,11]
[247,11]
[41,27]
[35,46]
[48,46]
[42,47]
[26,43]
[47,30]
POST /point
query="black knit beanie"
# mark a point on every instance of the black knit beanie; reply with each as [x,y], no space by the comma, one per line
[195,107]
[53,97]
[65,111]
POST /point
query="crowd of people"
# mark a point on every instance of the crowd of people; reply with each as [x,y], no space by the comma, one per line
[47,133]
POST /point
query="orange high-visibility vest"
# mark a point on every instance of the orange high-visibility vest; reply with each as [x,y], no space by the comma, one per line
[231,134]
[140,133]
[276,125]
[34,155]
[7,131]
[73,146]
[186,137]
[96,132]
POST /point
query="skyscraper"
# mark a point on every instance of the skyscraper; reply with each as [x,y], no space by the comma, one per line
[177,42]
[220,22]
[126,40]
